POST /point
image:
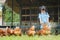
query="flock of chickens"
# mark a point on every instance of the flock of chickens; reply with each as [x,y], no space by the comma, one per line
[29,31]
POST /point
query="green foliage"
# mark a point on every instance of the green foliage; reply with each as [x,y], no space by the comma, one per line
[16,17]
[8,15]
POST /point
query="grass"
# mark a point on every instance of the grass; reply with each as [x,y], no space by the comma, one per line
[25,37]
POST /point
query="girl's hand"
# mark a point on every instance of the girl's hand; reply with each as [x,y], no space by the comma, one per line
[41,22]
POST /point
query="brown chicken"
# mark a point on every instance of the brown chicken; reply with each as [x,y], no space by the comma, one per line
[32,28]
[9,31]
[1,32]
[44,31]
[17,31]
[31,31]
[45,27]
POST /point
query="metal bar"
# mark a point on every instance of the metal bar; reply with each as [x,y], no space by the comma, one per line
[20,17]
[12,14]
[3,15]
[58,11]
[30,18]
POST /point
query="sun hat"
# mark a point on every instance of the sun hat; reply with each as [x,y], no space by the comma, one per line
[42,7]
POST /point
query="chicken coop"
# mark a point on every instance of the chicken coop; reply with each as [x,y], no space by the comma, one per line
[24,13]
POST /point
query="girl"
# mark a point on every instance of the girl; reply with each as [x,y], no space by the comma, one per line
[43,16]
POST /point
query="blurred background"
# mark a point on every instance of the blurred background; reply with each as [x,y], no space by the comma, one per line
[24,13]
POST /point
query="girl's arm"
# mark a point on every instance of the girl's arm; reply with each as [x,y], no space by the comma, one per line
[39,16]
[47,20]
[41,21]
